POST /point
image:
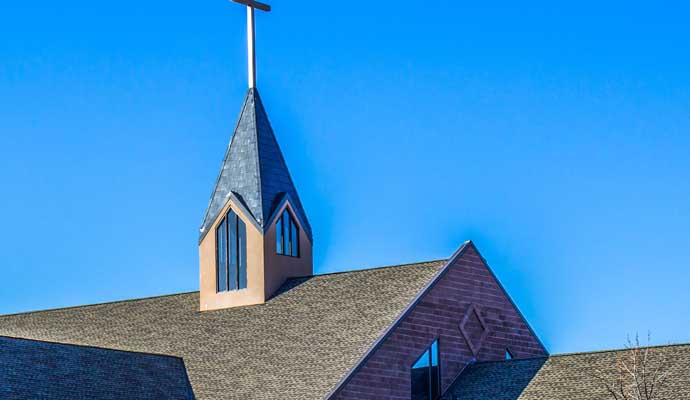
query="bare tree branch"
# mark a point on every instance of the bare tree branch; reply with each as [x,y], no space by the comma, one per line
[638,373]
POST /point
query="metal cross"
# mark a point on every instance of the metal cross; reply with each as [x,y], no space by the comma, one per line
[251,56]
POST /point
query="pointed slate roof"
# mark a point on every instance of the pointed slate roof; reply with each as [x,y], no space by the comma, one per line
[253,170]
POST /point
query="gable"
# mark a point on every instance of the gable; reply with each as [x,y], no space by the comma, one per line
[470,314]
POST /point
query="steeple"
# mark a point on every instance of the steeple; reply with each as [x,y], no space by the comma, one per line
[254,171]
[255,233]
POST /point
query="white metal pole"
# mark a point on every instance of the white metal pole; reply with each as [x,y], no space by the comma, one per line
[251,61]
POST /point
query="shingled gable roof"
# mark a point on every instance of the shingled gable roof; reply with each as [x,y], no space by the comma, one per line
[299,344]
[566,376]
[253,170]
[41,370]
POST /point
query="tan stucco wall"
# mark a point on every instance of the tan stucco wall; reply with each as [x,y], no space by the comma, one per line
[266,270]
[278,267]
[254,293]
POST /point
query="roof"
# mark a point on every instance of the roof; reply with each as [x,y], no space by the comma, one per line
[299,344]
[254,171]
[42,370]
[575,376]
[502,380]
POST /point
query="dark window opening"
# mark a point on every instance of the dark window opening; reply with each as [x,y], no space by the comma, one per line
[222,255]
[287,235]
[426,376]
[231,258]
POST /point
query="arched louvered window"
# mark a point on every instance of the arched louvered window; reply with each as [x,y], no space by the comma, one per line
[287,235]
[231,253]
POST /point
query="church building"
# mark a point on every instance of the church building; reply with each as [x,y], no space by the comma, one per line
[263,326]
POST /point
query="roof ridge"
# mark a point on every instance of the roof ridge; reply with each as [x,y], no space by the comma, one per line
[97,304]
[225,157]
[91,347]
[297,202]
[513,360]
[196,291]
[255,97]
[577,353]
[510,299]
[205,224]
[374,268]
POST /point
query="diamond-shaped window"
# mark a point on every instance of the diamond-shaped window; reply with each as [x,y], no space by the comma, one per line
[474,329]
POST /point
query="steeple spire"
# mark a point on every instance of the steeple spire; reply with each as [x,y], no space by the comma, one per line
[251,48]
[255,233]
[254,171]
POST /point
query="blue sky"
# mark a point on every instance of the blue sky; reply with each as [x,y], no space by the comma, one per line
[555,136]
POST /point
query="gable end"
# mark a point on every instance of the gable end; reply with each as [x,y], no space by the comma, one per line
[464,285]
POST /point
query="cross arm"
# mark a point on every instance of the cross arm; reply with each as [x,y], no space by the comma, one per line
[254,4]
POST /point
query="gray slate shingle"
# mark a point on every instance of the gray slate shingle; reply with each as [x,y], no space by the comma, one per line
[567,376]
[296,346]
[42,370]
[254,169]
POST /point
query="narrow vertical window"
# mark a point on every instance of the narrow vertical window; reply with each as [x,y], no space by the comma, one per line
[509,355]
[279,235]
[287,225]
[287,235]
[426,375]
[421,380]
[233,254]
[294,235]
[434,372]
[222,257]
[242,254]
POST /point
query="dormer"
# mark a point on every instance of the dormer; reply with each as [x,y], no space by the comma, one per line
[255,233]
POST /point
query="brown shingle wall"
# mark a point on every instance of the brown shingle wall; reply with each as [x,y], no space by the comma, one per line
[467,283]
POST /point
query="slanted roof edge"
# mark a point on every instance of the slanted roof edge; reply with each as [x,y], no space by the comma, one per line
[220,173]
[584,353]
[92,347]
[240,204]
[287,198]
[505,292]
[296,203]
[98,304]
[353,271]
[256,98]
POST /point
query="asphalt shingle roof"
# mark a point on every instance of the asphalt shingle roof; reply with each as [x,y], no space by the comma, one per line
[254,170]
[42,370]
[297,345]
[567,376]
